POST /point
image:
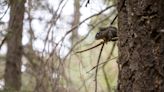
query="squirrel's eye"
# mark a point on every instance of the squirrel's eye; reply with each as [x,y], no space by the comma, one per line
[98,35]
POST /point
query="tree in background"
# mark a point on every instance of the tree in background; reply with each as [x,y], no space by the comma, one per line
[76,19]
[141,45]
[50,32]
[14,44]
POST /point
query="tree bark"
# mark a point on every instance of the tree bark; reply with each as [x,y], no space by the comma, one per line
[14,45]
[141,46]
[76,19]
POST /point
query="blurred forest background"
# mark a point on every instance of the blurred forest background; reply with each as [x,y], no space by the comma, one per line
[39,40]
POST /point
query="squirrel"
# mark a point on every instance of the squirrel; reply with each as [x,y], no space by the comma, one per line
[107,34]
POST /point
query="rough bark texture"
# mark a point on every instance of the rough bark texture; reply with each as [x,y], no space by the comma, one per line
[14,45]
[141,46]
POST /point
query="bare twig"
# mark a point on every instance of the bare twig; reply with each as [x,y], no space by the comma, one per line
[74,27]
[88,1]
[89,18]
[93,26]
[91,47]
[118,11]
[4,13]
[56,17]
[103,68]
[97,67]
[3,41]
[100,64]
[114,19]
[113,39]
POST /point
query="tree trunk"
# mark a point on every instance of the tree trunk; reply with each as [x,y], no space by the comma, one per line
[141,45]
[14,45]
[76,19]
